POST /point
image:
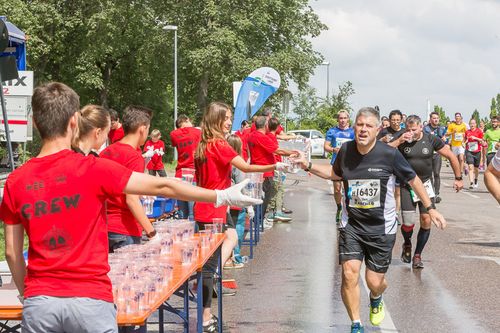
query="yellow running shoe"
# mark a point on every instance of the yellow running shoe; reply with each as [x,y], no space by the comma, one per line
[377,314]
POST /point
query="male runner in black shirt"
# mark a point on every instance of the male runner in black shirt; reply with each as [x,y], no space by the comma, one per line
[368,169]
[418,148]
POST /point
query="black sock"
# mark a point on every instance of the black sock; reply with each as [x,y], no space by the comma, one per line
[475,181]
[407,232]
[422,238]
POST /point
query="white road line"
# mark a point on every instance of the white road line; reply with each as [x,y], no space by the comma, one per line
[497,260]
[387,325]
[464,192]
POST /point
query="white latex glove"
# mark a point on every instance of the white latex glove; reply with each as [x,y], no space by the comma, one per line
[150,153]
[280,166]
[161,152]
[233,197]
[250,212]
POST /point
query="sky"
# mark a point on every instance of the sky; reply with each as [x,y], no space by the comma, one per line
[399,54]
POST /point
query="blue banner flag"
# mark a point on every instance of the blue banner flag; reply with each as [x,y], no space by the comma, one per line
[254,92]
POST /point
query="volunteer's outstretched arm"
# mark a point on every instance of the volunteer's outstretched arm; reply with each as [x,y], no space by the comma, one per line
[140,183]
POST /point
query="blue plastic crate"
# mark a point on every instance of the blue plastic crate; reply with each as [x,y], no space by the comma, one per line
[158,207]
[169,205]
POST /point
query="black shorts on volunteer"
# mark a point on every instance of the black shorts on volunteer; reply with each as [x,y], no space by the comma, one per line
[376,250]
[473,158]
[407,203]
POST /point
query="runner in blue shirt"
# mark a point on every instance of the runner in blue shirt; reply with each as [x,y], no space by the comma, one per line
[335,137]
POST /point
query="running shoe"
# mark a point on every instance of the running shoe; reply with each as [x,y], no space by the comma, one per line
[338,216]
[471,186]
[406,254]
[377,313]
[280,217]
[476,185]
[211,326]
[286,210]
[357,328]
[417,262]
[268,224]
[233,265]
[269,217]
[437,199]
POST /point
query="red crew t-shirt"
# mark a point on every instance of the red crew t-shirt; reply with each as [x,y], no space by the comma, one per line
[243,135]
[156,162]
[59,200]
[277,157]
[262,148]
[116,135]
[279,129]
[215,174]
[472,145]
[185,140]
[120,218]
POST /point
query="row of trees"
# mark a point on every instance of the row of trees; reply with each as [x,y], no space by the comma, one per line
[115,52]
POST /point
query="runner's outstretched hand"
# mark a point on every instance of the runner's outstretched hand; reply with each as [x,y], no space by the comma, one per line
[233,197]
[437,219]
[458,185]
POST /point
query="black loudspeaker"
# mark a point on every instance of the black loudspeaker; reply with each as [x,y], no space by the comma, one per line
[4,36]
[8,66]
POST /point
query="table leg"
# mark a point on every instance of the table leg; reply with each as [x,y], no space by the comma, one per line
[160,319]
[186,306]
[219,296]
[199,301]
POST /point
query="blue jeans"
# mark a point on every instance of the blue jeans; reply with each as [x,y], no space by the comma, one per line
[186,210]
[240,220]
[116,240]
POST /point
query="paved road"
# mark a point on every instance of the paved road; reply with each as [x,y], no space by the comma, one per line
[293,284]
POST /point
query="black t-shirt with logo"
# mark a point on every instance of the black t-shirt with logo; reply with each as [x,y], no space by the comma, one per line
[419,154]
[369,206]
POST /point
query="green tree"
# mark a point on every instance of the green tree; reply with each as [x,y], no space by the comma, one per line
[495,106]
[476,116]
[305,108]
[443,118]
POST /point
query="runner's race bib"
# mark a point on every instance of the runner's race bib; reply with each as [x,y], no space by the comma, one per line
[459,136]
[340,141]
[473,146]
[428,188]
[364,193]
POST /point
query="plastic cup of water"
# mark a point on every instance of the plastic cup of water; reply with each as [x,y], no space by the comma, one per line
[187,175]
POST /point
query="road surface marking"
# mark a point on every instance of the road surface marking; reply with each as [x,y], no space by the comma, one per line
[497,260]
[387,325]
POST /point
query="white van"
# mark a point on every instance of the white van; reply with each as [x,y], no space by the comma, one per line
[316,138]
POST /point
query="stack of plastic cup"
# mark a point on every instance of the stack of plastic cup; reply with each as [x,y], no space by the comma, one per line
[187,175]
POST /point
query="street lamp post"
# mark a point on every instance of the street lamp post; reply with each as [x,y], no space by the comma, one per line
[327,64]
[174,28]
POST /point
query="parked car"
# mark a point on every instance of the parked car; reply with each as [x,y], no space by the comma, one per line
[316,138]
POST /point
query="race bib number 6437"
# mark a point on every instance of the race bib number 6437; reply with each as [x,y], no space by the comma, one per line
[364,193]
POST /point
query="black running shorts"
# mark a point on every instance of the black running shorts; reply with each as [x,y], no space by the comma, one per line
[473,158]
[375,249]
[407,204]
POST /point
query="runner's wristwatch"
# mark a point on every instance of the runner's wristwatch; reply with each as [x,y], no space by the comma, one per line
[459,178]
[432,206]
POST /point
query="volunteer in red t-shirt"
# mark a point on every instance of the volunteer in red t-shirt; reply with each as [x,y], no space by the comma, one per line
[266,112]
[214,159]
[185,139]
[243,133]
[473,144]
[156,148]
[126,216]
[93,128]
[262,151]
[116,133]
[58,198]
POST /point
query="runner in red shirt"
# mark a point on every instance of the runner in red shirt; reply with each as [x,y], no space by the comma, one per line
[473,144]
[58,198]
[214,159]
[116,133]
[185,139]
[156,147]
[263,148]
[126,216]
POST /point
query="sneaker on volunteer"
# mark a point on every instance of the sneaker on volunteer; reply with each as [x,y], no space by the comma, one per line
[268,224]
[280,217]
[269,217]
[232,264]
[211,326]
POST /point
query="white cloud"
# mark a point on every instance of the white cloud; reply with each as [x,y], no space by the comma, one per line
[398,54]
